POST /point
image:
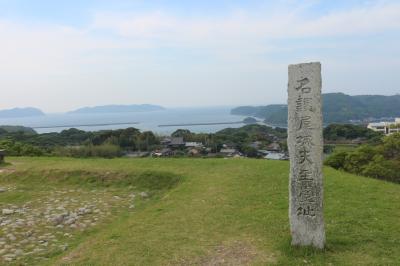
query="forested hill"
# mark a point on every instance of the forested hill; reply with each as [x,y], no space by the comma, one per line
[337,107]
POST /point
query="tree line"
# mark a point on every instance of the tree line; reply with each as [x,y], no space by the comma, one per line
[380,161]
[113,143]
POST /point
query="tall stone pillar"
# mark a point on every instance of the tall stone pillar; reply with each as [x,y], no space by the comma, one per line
[305,143]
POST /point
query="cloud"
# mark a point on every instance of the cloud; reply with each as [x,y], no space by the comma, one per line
[120,56]
[289,23]
[241,33]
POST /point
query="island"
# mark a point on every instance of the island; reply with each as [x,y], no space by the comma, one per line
[250,121]
[118,109]
[20,112]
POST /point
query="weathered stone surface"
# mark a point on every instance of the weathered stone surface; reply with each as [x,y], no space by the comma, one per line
[305,145]
[7,211]
[144,194]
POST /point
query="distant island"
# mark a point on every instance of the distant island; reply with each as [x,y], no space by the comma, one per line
[117,109]
[250,121]
[337,108]
[15,129]
[20,112]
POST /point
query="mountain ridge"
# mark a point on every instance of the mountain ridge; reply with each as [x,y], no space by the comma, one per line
[337,108]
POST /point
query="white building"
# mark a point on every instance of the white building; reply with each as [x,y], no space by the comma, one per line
[386,128]
[193,145]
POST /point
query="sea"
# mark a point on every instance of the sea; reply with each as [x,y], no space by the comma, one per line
[178,117]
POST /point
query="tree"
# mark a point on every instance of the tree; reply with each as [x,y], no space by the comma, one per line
[356,160]
[382,168]
[336,160]
[250,151]
[391,146]
[184,133]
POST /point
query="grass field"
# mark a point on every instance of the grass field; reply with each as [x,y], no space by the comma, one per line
[196,212]
[345,147]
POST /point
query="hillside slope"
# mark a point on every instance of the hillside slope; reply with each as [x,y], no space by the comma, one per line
[221,211]
[337,108]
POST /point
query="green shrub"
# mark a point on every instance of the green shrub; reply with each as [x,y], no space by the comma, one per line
[356,160]
[382,168]
[381,161]
[14,148]
[391,146]
[336,160]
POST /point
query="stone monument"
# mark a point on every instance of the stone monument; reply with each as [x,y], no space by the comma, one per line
[305,143]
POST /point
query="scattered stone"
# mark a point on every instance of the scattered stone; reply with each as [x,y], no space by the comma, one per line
[7,211]
[70,221]
[11,237]
[144,194]
[10,255]
[37,227]
[58,219]
[2,189]
[28,233]
[37,250]
[18,252]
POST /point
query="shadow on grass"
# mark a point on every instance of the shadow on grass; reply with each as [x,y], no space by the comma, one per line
[146,180]
[4,164]
[297,255]
[303,255]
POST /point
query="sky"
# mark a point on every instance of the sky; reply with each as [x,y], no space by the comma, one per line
[61,55]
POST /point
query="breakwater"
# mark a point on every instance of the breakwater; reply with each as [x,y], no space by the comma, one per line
[87,125]
[201,124]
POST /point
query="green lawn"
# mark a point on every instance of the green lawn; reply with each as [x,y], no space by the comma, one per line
[345,147]
[209,211]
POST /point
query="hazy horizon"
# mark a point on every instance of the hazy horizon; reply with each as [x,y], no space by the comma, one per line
[172,107]
[60,56]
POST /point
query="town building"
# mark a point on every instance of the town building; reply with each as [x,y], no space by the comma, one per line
[193,145]
[177,142]
[386,128]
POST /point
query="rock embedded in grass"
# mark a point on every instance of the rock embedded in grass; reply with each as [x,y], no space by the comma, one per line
[11,237]
[36,227]
[144,194]
[7,211]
